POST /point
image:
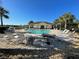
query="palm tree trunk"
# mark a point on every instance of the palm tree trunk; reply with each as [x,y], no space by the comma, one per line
[56,26]
[1,21]
[65,24]
[60,26]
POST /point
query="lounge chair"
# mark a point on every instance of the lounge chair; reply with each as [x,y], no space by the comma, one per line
[67,32]
[64,30]
[67,36]
[10,30]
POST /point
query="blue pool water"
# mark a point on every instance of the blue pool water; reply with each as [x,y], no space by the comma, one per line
[39,31]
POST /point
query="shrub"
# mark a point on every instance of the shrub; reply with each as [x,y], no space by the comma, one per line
[77,30]
[3,28]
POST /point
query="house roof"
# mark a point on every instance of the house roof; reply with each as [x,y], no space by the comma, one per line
[41,22]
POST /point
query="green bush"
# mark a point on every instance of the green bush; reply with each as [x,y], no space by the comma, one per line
[3,28]
[77,30]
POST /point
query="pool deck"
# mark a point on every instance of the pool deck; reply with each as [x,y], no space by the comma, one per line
[66,37]
[55,32]
[58,33]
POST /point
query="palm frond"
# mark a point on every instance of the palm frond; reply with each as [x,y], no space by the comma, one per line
[6,16]
[1,8]
[6,11]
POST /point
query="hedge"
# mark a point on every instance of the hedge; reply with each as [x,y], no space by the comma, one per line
[3,28]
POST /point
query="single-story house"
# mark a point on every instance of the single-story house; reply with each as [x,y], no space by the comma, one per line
[41,25]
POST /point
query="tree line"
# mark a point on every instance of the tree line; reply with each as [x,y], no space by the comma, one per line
[66,21]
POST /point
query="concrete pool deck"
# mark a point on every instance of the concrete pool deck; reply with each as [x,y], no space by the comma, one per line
[58,34]
[66,37]
[55,32]
[60,46]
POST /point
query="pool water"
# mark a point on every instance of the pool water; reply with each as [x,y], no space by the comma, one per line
[39,31]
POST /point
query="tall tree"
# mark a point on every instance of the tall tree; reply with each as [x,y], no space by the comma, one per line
[68,18]
[3,13]
[61,21]
[56,23]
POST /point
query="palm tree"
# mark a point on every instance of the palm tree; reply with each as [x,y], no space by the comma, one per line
[3,13]
[68,18]
[61,21]
[56,23]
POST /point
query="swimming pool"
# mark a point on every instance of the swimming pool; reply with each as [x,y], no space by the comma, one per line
[39,31]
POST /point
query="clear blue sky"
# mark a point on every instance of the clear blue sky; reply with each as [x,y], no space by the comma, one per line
[22,11]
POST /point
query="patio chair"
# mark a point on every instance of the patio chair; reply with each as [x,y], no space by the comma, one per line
[64,30]
[10,30]
[67,32]
[68,36]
